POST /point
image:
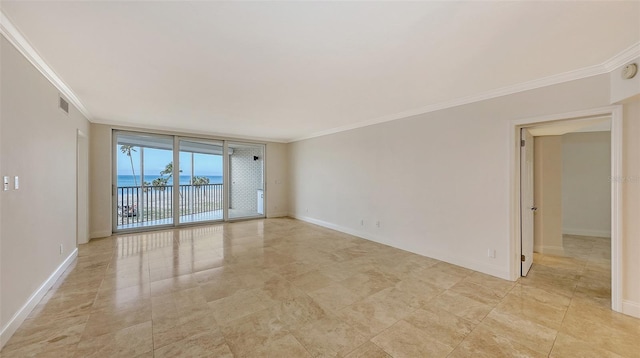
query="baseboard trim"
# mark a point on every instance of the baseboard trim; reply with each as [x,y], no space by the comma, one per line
[549,250]
[14,323]
[631,308]
[100,234]
[277,215]
[482,267]
[594,233]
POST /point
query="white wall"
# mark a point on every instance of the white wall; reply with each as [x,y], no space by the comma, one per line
[586,185]
[631,208]
[438,182]
[277,173]
[100,153]
[548,178]
[38,144]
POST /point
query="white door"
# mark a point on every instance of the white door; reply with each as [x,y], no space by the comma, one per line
[527,206]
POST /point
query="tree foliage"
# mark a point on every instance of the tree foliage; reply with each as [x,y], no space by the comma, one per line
[128,149]
[197,181]
[163,181]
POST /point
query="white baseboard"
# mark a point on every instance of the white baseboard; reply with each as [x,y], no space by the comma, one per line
[277,215]
[549,250]
[14,323]
[100,234]
[492,270]
[631,308]
[580,232]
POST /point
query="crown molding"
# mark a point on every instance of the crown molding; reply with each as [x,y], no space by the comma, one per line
[606,67]
[623,57]
[13,35]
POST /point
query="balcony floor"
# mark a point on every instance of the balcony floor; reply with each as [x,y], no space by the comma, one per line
[215,215]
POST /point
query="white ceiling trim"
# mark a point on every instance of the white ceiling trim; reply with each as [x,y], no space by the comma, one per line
[13,35]
[618,60]
[623,57]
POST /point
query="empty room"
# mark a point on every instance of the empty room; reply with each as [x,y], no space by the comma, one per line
[319,179]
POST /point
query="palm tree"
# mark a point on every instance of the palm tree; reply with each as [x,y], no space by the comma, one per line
[162,181]
[168,169]
[127,149]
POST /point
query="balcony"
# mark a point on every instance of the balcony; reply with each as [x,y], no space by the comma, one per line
[153,205]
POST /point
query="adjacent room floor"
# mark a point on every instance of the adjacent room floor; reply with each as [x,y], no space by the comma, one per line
[285,288]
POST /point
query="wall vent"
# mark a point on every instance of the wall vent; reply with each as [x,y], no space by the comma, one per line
[64,105]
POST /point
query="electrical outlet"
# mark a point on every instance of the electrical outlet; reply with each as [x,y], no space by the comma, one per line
[491,253]
[378,224]
[61,249]
[362,222]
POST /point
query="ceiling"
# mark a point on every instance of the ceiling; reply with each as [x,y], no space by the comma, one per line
[288,70]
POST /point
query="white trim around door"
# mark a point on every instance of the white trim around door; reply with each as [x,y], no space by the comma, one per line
[616,191]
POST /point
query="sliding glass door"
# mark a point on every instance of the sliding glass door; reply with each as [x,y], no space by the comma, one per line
[211,181]
[246,180]
[201,194]
[143,181]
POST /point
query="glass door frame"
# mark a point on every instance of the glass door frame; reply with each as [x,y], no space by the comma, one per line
[114,182]
[226,185]
[176,174]
[228,179]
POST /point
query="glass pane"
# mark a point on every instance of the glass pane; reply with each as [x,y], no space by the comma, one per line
[144,196]
[246,171]
[201,173]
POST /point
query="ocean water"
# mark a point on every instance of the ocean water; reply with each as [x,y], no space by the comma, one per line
[127,180]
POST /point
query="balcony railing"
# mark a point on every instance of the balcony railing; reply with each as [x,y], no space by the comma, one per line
[148,204]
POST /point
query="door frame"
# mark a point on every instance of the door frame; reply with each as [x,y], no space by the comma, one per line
[228,179]
[616,190]
[176,174]
[527,150]
[176,159]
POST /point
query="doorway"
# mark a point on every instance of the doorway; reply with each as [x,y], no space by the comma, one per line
[522,228]
[246,180]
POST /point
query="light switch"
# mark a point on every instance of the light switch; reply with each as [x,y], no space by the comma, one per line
[6,183]
[16,183]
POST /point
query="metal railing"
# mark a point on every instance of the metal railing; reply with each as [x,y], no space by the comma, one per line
[138,204]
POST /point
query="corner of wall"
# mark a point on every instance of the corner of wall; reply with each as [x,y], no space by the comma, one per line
[622,89]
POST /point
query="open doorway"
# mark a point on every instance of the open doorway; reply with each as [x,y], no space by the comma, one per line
[568,251]
[572,202]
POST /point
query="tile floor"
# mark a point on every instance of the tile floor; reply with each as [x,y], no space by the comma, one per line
[284,288]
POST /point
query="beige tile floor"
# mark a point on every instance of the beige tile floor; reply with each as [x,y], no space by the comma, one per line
[284,288]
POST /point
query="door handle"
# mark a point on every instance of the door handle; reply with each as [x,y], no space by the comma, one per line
[534,208]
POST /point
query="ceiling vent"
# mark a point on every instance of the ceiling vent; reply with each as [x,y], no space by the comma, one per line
[64,105]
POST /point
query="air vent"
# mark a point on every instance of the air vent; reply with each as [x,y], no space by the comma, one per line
[64,105]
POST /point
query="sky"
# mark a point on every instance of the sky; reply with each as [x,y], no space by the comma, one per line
[155,160]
